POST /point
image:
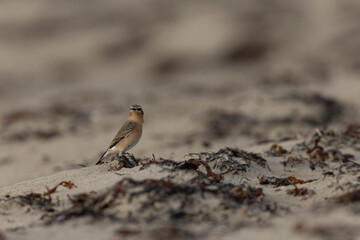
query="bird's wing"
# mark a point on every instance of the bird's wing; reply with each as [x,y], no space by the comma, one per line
[124,132]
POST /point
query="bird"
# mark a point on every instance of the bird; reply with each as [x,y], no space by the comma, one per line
[127,137]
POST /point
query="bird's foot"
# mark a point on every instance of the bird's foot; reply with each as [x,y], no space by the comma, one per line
[134,159]
[126,162]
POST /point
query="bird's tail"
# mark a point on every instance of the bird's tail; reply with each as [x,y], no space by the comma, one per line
[102,157]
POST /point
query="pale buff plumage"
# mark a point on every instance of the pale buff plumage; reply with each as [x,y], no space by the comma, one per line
[128,135]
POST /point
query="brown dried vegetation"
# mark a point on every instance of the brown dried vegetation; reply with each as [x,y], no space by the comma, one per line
[318,155]
[278,182]
[42,200]
[162,192]
[299,191]
[277,151]
[227,160]
[353,196]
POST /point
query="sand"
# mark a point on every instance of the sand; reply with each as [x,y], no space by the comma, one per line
[236,94]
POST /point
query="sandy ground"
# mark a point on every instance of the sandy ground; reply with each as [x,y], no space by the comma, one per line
[251,112]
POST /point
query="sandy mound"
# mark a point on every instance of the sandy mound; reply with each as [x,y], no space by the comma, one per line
[210,194]
[251,119]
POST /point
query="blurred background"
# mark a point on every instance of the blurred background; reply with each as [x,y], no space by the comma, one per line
[208,74]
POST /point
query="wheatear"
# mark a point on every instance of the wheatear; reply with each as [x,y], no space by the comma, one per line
[127,137]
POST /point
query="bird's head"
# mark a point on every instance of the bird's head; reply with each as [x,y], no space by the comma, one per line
[136,113]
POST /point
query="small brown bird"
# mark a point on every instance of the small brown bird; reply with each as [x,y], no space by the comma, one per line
[127,137]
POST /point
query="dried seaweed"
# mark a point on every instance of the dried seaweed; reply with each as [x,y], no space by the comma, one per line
[277,151]
[125,232]
[334,231]
[353,196]
[66,184]
[34,199]
[191,164]
[42,134]
[252,49]
[220,124]
[294,180]
[292,161]
[330,109]
[146,162]
[172,232]
[318,155]
[299,191]
[231,160]
[162,191]
[54,111]
[49,116]
[278,182]
[329,173]
[16,116]
[353,131]
[195,163]
[224,163]
[43,200]
[317,152]
[87,205]
[226,159]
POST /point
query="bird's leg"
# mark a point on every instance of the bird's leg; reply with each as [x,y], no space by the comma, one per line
[134,159]
[126,161]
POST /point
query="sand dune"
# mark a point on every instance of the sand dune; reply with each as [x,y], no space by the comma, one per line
[251,119]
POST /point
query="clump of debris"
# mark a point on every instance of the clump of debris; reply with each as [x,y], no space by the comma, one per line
[323,148]
[231,160]
[46,123]
[349,197]
[227,160]
[199,198]
[278,182]
[161,199]
[276,151]
[42,201]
